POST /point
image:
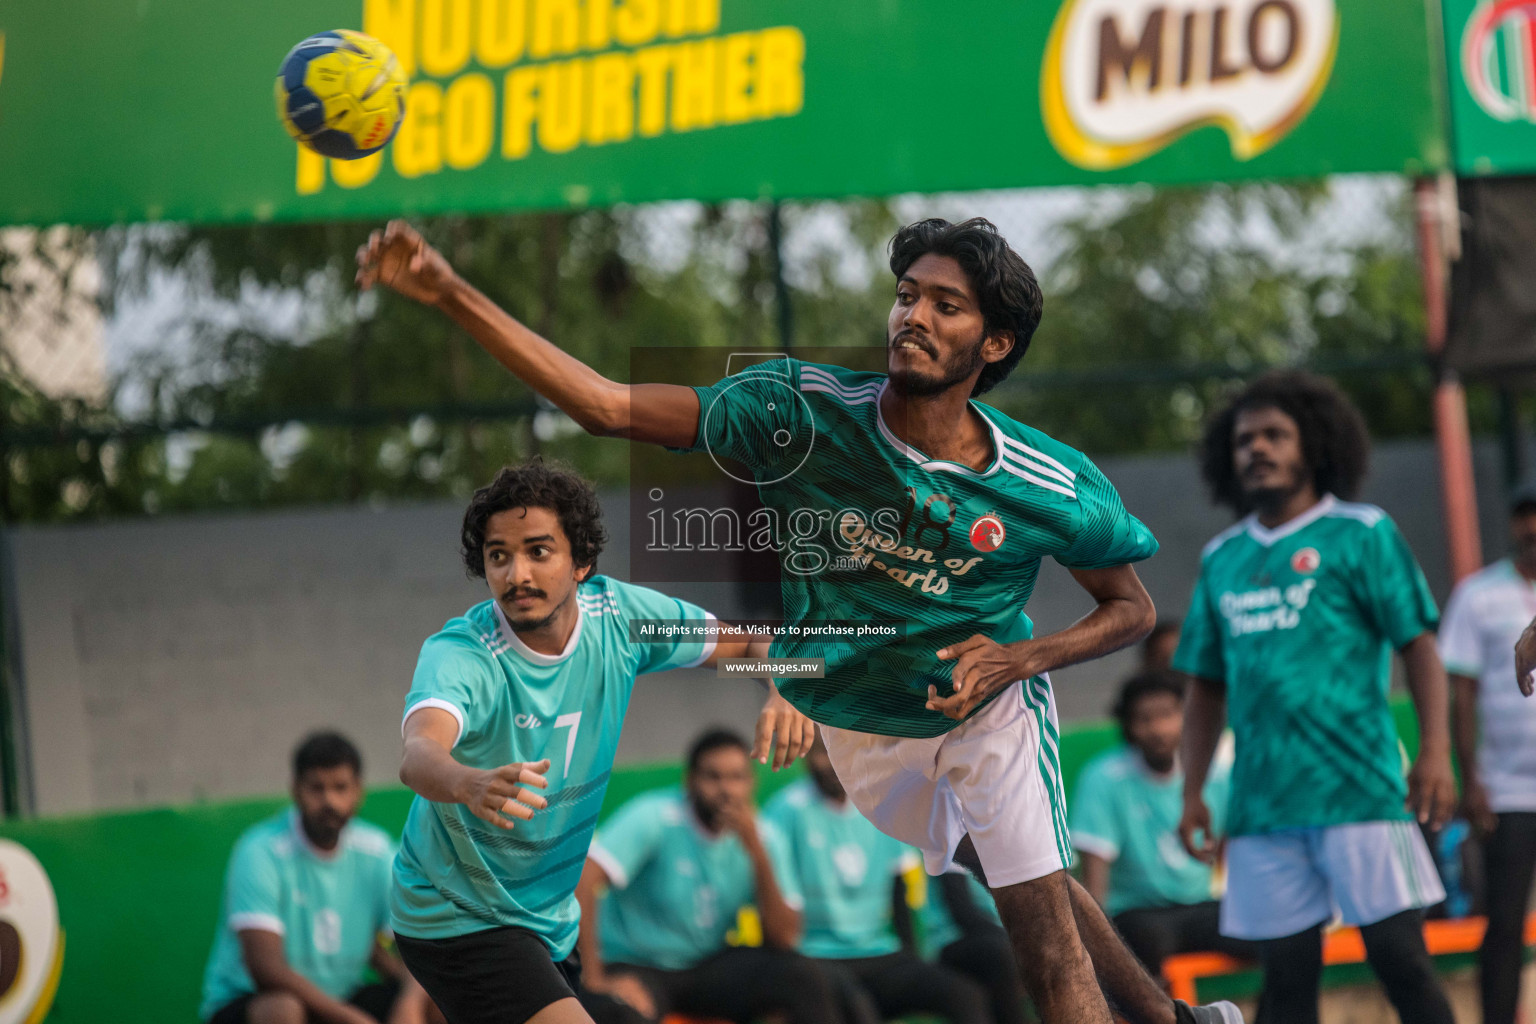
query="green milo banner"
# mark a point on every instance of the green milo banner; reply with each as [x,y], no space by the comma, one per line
[163,109]
[1491,56]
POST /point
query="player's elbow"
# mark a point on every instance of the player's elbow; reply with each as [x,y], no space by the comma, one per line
[1141,616]
[606,414]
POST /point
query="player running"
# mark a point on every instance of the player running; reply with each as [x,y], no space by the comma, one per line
[945,509]
[1289,637]
[524,690]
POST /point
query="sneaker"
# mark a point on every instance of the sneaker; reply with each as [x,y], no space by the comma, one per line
[1212,1013]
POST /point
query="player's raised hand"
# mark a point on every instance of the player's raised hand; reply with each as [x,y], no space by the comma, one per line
[400,259]
[982,667]
[781,731]
[1525,659]
[1431,790]
[502,794]
[1196,821]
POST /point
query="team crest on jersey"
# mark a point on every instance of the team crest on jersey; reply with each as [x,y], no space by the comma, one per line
[987,533]
[1306,561]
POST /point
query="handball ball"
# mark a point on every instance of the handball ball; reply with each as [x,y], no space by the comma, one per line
[342,94]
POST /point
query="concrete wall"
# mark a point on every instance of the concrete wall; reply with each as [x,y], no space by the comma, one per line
[171,660]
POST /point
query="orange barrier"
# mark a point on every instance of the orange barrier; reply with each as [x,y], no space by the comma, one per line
[1342,946]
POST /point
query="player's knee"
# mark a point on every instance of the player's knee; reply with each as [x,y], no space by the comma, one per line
[275,1008]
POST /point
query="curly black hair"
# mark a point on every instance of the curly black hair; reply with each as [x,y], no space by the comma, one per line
[1144,684]
[535,484]
[1334,440]
[1005,287]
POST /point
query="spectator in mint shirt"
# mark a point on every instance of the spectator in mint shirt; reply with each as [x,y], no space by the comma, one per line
[1125,826]
[305,907]
[677,867]
[857,921]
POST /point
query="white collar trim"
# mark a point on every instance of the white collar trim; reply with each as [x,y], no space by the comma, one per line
[1268,537]
[940,465]
[513,641]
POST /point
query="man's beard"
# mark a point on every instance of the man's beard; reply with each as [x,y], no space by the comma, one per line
[830,785]
[708,815]
[527,624]
[1265,499]
[911,384]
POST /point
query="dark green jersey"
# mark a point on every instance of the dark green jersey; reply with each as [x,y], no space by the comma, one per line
[1301,622]
[876,531]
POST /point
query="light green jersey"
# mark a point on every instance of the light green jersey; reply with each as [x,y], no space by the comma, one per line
[877,532]
[329,907]
[1124,813]
[1301,622]
[844,868]
[457,874]
[675,888]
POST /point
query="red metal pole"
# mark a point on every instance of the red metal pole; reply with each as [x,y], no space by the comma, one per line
[1453,439]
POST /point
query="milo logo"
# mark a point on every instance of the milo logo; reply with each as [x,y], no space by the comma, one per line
[1496,58]
[1122,79]
[31,942]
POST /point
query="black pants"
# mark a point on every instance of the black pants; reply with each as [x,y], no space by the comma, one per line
[501,976]
[1509,857]
[987,959]
[741,985]
[1156,933]
[880,988]
[1293,970]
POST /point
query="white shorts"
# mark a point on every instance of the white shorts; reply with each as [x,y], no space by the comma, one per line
[1285,882]
[996,777]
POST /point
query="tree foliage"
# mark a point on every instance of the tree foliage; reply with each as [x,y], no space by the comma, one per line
[286,386]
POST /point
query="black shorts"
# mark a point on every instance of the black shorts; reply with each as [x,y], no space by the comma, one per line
[498,976]
[375,1000]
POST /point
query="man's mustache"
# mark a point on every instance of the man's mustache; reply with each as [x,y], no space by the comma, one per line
[514,593]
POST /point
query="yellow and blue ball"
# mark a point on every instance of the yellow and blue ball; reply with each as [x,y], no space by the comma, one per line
[342,94]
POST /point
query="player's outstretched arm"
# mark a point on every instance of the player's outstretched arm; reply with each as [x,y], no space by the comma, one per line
[1431,783]
[1122,615]
[399,258]
[1205,715]
[500,796]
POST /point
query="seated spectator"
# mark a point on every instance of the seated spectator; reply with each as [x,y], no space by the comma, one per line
[677,868]
[1125,819]
[963,932]
[856,918]
[305,904]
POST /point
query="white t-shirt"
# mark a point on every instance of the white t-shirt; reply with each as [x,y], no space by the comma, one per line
[1486,614]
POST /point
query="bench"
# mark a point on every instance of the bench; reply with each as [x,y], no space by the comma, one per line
[1341,946]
